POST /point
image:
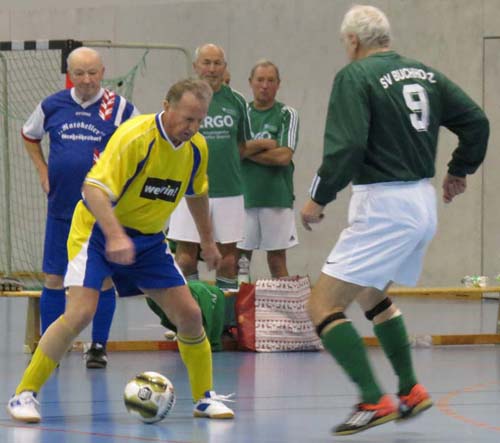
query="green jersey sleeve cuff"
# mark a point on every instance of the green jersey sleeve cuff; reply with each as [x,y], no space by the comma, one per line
[320,192]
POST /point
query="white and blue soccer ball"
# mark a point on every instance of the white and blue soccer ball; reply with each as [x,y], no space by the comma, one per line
[149,396]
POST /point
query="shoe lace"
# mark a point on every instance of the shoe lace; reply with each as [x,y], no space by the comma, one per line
[223,398]
[28,399]
[359,416]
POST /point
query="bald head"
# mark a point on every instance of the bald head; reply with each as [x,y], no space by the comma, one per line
[86,71]
[83,52]
[210,64]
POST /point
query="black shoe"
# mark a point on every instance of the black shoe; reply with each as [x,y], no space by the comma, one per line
[367,415]
[96,356]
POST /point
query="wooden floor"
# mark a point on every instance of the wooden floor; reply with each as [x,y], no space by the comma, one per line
[281,397]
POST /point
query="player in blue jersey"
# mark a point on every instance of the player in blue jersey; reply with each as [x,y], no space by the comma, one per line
[381,134]
[79,122]
[150,163]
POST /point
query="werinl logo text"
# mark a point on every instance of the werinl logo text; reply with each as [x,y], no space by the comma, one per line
[166,190]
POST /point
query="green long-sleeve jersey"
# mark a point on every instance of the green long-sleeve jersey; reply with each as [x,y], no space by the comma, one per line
[383,121]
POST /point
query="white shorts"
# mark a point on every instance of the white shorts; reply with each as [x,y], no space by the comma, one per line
[269,229]
[390,227]
[227,215]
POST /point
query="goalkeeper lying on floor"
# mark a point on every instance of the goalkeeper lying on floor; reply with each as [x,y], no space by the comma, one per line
[211,301]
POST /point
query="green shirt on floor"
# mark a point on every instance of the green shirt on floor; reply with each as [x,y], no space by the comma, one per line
[211,301]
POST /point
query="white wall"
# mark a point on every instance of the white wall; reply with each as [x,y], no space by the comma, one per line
[301,36]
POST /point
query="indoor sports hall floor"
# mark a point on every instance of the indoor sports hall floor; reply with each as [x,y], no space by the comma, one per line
[281,397]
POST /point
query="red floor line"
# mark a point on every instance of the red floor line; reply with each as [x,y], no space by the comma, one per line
[443,404]
[97,434]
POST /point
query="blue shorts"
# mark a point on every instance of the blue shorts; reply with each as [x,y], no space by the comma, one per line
[55,254]
[154,266]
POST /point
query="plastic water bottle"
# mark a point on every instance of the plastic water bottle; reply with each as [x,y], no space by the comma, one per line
[243,270]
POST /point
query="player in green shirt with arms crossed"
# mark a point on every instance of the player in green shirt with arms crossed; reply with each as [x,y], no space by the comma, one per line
[267,171]
[381,134]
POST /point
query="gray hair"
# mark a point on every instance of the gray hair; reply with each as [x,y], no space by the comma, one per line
[265,63]
[200,48]
[82,50]
[199,88]
[369,24]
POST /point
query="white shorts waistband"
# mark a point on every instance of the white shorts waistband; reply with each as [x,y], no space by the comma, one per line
[361,188]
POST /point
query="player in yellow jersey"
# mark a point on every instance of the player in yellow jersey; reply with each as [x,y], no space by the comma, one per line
[149,164]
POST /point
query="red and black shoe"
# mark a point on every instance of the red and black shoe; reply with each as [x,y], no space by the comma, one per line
[367,415]
[417,401]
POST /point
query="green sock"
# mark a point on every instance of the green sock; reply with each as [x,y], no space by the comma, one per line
[394,340]
[225,283]
[347,347]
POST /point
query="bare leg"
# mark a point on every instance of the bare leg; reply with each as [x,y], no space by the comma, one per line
[186,256]
[276,261]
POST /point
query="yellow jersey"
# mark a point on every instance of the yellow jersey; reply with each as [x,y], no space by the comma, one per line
[145,175]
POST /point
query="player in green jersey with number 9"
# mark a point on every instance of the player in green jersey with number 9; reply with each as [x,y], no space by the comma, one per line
[381,134]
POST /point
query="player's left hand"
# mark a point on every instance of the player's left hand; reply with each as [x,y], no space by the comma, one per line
[211,255]
[312,212]
[453,186]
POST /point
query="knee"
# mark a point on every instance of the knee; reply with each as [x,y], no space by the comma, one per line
[229,265]
[54,281]
[78,319]
[318,308]
[107,284]
[382,311]
[314,306]
[187,261]
[189,320]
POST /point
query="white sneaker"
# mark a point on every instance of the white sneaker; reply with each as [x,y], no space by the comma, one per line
[24,407]
[170,335]
[211,406]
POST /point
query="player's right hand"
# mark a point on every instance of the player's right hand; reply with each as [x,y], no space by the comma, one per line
[211,255]
[44,182]
[120,250]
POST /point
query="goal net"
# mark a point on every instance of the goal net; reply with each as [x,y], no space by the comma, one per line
[30,72]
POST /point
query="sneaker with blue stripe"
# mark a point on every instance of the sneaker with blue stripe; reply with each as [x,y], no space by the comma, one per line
[24,407]
[212,406]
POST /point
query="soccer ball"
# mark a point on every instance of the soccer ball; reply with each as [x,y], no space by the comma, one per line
[149,396]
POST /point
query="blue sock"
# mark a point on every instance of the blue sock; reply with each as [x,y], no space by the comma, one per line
[52,304]
[103,316]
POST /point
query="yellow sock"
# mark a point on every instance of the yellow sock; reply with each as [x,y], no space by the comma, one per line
[197,356]
[54,343]
[37,373]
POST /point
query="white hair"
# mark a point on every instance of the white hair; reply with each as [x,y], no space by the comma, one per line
[369,24]
[200,48]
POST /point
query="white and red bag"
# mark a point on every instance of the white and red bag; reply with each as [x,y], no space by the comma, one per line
[271,316]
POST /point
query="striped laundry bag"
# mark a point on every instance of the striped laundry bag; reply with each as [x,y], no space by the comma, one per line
[271,316]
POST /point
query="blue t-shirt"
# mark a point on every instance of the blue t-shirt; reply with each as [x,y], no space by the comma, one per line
[78,134]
